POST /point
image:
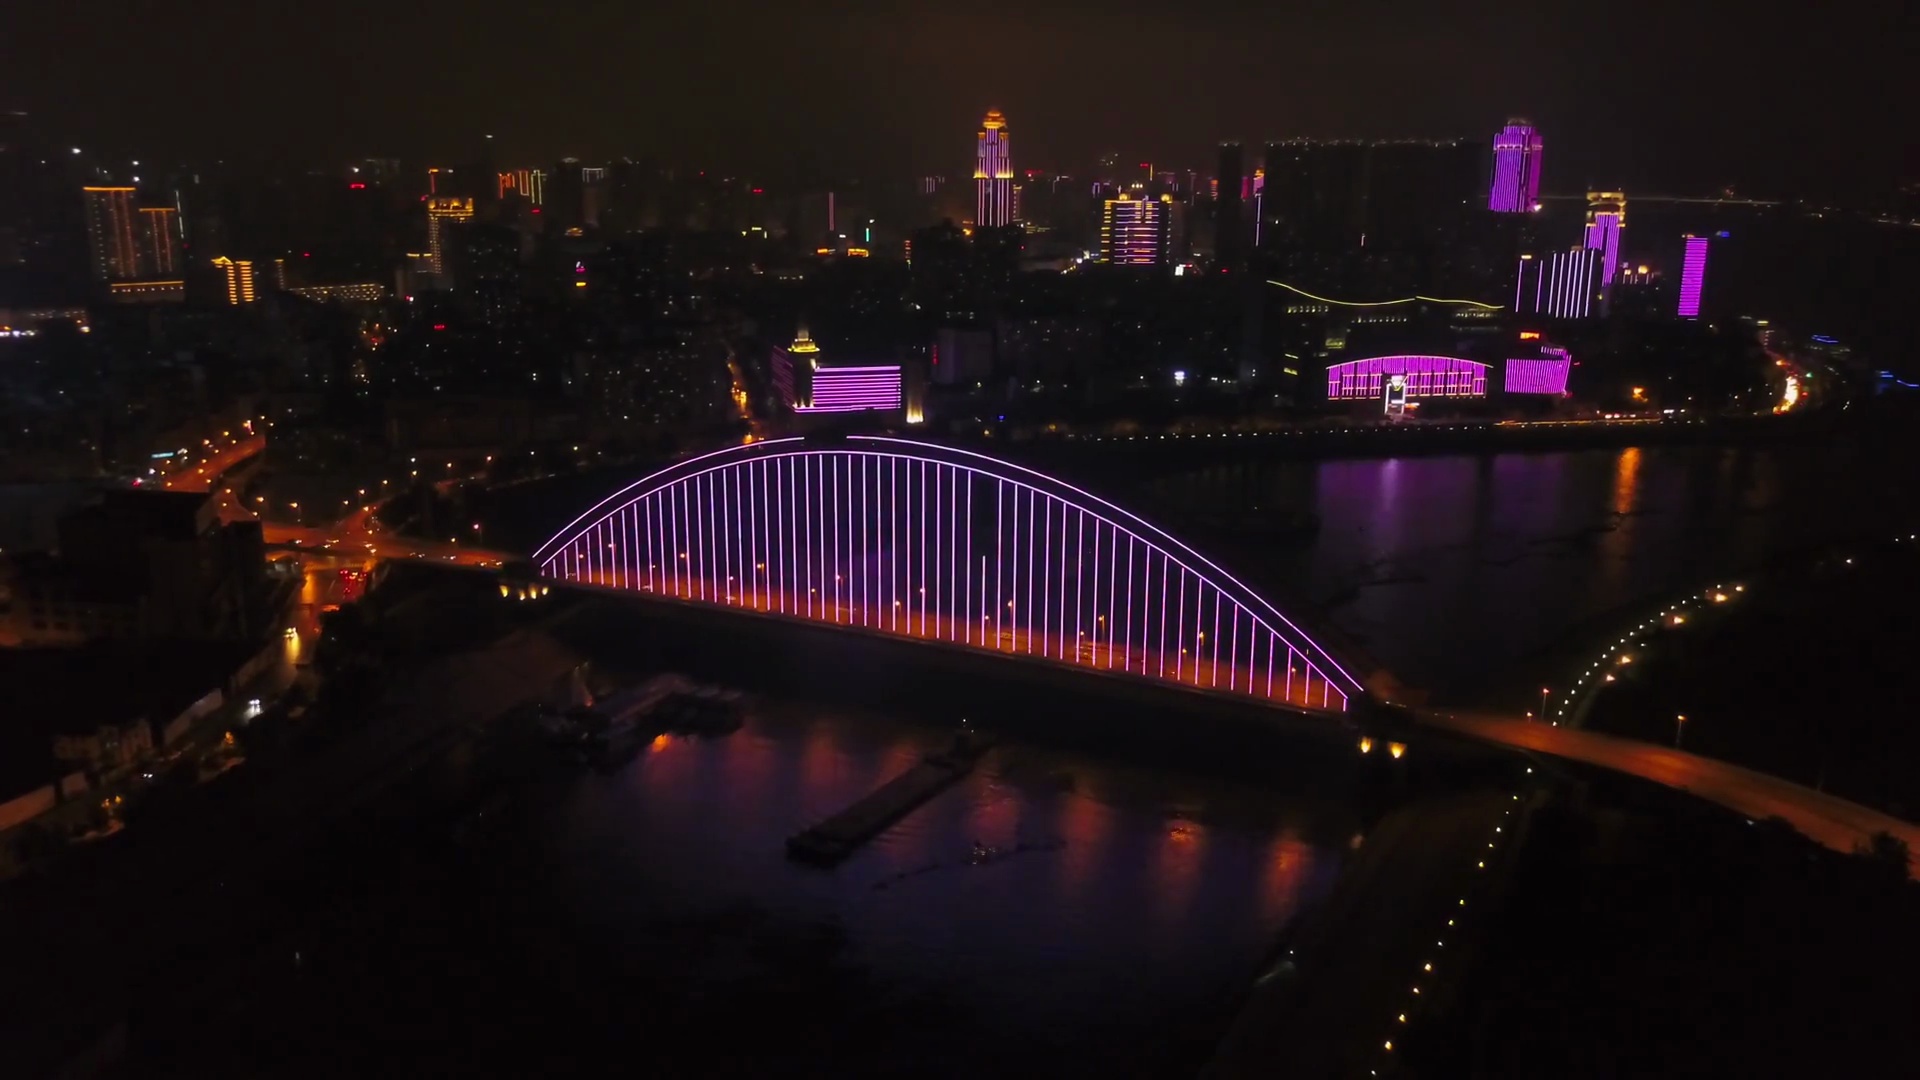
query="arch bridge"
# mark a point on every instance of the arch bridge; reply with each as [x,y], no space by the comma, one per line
[939,544]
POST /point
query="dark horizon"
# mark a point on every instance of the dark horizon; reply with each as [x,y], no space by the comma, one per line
[1643,96]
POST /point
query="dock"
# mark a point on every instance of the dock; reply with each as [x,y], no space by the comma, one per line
[832,840]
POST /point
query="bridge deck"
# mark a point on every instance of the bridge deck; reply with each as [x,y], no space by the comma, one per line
[1833,822]
[1300,687]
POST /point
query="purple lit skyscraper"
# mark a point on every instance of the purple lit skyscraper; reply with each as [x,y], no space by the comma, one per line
[1563,284]
[1606,220]
[993,173]
[1516,169]
[1693,275]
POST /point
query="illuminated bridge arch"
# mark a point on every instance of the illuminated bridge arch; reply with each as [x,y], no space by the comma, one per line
[936,543]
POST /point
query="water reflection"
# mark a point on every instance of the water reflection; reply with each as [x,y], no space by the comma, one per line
[1182,849]
[1117,896]
[1626,480]
[1286,861]
[1452,569]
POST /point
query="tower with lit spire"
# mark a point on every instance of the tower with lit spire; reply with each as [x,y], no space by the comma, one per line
[993,172]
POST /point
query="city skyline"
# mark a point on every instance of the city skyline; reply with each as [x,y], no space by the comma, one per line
[1639,101]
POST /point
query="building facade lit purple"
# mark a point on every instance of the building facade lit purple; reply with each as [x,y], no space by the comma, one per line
[1563,284]
[1606,222]
[1426,377]
[1516,169]
[854,389]
[993,172]
[1538,375]
[1693,276]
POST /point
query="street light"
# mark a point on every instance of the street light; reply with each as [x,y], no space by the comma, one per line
[1679,725]
[1543,701]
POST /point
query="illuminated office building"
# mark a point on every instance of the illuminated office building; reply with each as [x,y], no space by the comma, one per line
[159,241]
[148,291]
[531,184]
[442,213]
[993,172]
[806,383]
[1693,276]
[1516,169]
[239,279]
[1562,284]
[1136,232]
[1545,373]
[362,292]
[112,233]
[1606,221]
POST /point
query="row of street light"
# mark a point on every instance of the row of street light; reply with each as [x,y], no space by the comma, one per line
[1602,670]
[1619,654]
[1427,970]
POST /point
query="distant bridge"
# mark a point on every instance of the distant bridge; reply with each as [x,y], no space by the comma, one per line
[939,544]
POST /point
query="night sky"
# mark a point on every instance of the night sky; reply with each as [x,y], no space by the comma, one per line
[1676,95]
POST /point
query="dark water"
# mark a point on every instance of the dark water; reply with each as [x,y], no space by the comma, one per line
[1129,906]
[646,913]
[1452,570]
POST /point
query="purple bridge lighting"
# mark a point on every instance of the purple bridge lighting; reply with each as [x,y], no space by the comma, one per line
[901,538]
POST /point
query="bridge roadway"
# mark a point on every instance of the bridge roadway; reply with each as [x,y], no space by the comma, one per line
[1831,821]
[229,455]
[360,539]
[1197,667]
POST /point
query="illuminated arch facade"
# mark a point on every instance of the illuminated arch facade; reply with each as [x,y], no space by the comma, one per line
[944,545]
[1426,377]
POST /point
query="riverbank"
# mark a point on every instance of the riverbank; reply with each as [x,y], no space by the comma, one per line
[1806,675]
[1650,935]
[208,873]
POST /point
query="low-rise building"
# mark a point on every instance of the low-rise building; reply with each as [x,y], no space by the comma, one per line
[142,565]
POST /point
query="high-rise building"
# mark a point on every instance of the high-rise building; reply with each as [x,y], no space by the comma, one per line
[442,213]
[1314,194]
[1561,284]
[112,233]
[531,184]
[1693,276]
[239,279]
[1136,232]
[1516,169]
[1606,221]
[159,241]
[993,172]
[1229,224]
